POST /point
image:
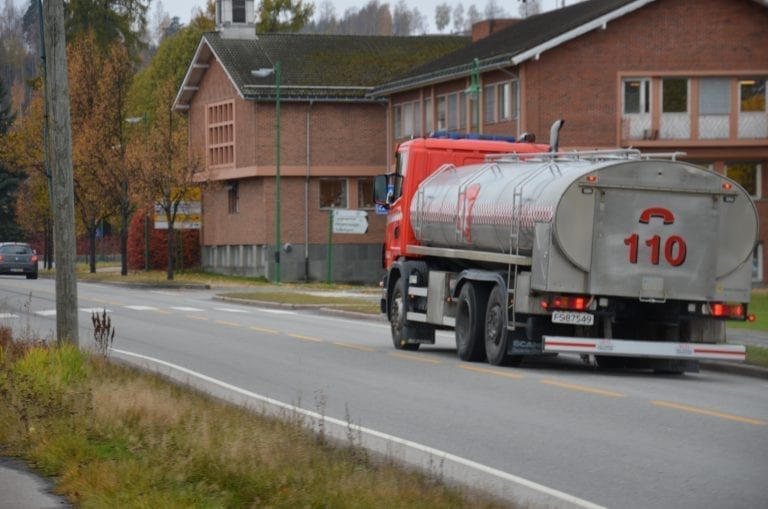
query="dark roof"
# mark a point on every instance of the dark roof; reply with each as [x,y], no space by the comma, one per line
[317,67]
[511,45]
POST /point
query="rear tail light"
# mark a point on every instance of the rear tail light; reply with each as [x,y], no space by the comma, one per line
[573,302]
[735,311]
[34,258]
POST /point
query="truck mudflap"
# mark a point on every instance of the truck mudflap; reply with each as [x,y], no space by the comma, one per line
[647,349]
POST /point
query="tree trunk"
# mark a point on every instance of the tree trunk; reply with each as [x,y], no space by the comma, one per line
[124,213]
[171,249]
[92,248]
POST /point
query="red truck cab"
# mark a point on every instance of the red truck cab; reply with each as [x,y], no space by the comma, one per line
[416,160]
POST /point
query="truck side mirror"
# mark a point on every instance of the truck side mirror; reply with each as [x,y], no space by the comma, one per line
[382,191]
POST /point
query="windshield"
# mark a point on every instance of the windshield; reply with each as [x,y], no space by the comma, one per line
[400,171]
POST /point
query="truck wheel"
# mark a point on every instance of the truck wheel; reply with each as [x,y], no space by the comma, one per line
[470,311]
[496,328]
[397,318]
[496,334]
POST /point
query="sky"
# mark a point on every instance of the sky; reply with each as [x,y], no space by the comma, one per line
[184,8]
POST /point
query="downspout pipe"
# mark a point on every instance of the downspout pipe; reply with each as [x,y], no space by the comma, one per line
[306,194]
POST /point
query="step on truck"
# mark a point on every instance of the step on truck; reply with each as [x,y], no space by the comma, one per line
[630,260]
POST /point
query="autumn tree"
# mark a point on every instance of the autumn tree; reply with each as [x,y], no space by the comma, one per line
[283,15]
[163,165]
[9,177]
[21,148]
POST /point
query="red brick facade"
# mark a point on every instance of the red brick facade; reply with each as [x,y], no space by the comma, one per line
[581,80]
[317,140]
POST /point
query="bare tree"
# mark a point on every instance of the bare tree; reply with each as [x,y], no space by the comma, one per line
[459,21]
[528,8]
[494,11]
[442,16]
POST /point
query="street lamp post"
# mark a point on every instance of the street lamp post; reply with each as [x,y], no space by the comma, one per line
[262,73]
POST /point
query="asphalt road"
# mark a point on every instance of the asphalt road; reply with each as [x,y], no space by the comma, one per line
[554,432]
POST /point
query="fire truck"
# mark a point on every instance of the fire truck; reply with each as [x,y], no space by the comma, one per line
[630,260]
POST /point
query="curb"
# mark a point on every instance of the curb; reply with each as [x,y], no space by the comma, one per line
[735,369]
[317,307]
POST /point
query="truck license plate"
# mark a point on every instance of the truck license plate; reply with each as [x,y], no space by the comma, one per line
[572,317]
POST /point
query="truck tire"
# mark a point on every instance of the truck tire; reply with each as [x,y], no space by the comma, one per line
[470,314]
[397,317]
[496,336]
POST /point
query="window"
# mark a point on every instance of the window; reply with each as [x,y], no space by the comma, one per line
[505,107]
[714,96]
[453,113]
[407,119]
[221,133]
[752,95]
[365,193]
[462,111]
[637,94]
[747,174]
[429,125]
[233,196]
[397,121]
[441,114]
[757,263]
[238,11]
[674,95]
[333,193]
[489,100]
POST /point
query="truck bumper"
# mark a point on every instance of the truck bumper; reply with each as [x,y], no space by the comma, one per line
[647,349]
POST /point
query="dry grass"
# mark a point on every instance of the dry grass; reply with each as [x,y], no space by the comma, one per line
[131,439]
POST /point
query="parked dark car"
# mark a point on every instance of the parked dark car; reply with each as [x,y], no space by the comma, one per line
[18,258]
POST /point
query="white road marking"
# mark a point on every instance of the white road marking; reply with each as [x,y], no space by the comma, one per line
[277,311]
[95,310]
[231,310]
[142,308]
[185,308]
[8,315]
[46,312]
[436,456]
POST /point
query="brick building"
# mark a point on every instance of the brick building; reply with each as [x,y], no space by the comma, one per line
[332,143]
[659,75]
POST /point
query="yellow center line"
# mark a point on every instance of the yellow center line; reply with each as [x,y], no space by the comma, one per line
[418,358]
[584,388]
[486,371]
[711,413]
[355,347]
[305,338]
[261,329]
[196,317]
[230,324]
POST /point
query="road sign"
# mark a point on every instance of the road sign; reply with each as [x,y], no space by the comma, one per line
[350,221]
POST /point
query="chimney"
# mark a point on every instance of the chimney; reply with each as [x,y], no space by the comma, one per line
[483,29]
[235,19]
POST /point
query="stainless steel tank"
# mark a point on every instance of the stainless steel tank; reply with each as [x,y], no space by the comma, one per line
[620,219]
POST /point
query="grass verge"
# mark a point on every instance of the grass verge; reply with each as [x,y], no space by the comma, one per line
[116,437]
[757,356]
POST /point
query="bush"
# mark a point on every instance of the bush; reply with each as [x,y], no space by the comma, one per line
[187,253]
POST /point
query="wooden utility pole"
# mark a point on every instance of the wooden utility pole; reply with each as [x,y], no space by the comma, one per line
[60,156]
